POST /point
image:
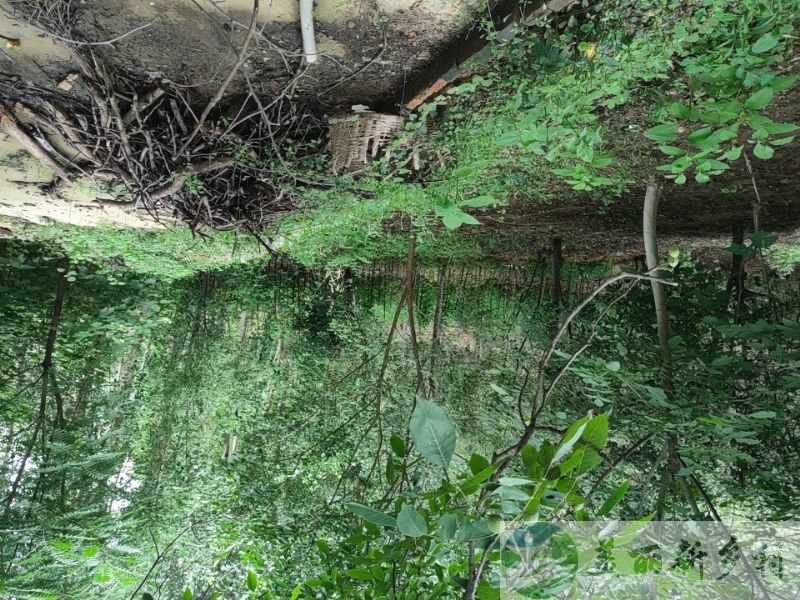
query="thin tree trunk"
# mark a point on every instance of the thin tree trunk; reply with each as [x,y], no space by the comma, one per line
[47,363]
[736,278]
[438,316]
[651,201]
[557,261]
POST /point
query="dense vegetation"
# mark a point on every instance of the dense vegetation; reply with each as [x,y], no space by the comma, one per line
[375,409]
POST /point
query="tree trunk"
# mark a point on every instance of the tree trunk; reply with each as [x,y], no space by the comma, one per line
[438,316]
[557,261]
[47,363]
[651,201]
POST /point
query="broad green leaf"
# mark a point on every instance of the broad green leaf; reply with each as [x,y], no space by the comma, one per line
[507,139]
[370,515]
[614,499]
[447,527]
[187,594]
[679,110]
[411,523]
[760,99]
[780,84]
[478,463]
[765,43]
[359,574]
[433,433]
[252,581]
[782,141]
[473,530]
[479,202]
[515,481]
[589,460]
[529,455]
[763,151]
[671,150]
[510,492]
[570,438]
[473,484]
[662,133]
[298,589]
[763,414]
[699,135]
[734,153]
[398,445]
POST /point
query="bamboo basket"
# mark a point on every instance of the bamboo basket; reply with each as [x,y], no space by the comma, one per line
[357,138]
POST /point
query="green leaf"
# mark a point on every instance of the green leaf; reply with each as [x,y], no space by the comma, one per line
[478,463]
[359,574]
[595,433]
[447,527]
[296,592]
[147,596]
[187,594]
[473,530]
[411,523]
[613,366]
[782,141]
[252,581]
[479,202]
[765,43]
[671,150]
[398,445]
[370,515]
[614,499]
[433,433]
[780,84]
[453,217]
[763,414]
[699,135]
[529,455]
[679,110]
[571,438]
[472,484]
[507,139]
[662,133]
[763,151]
[702,178]
[760,99]
[734,153]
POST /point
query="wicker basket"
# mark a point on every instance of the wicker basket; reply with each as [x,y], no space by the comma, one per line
[356,139]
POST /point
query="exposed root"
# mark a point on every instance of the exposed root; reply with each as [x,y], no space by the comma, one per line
[144,141]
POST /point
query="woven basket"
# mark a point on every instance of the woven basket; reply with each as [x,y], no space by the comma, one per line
[356,139]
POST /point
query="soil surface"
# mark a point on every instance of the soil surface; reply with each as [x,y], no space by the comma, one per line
[368,47]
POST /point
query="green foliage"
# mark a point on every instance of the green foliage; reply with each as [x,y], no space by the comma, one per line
[733,55]
[172,253]
[433,434]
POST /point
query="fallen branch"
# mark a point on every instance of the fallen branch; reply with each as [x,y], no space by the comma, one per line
[180,178]
[218,96]
[10,125]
